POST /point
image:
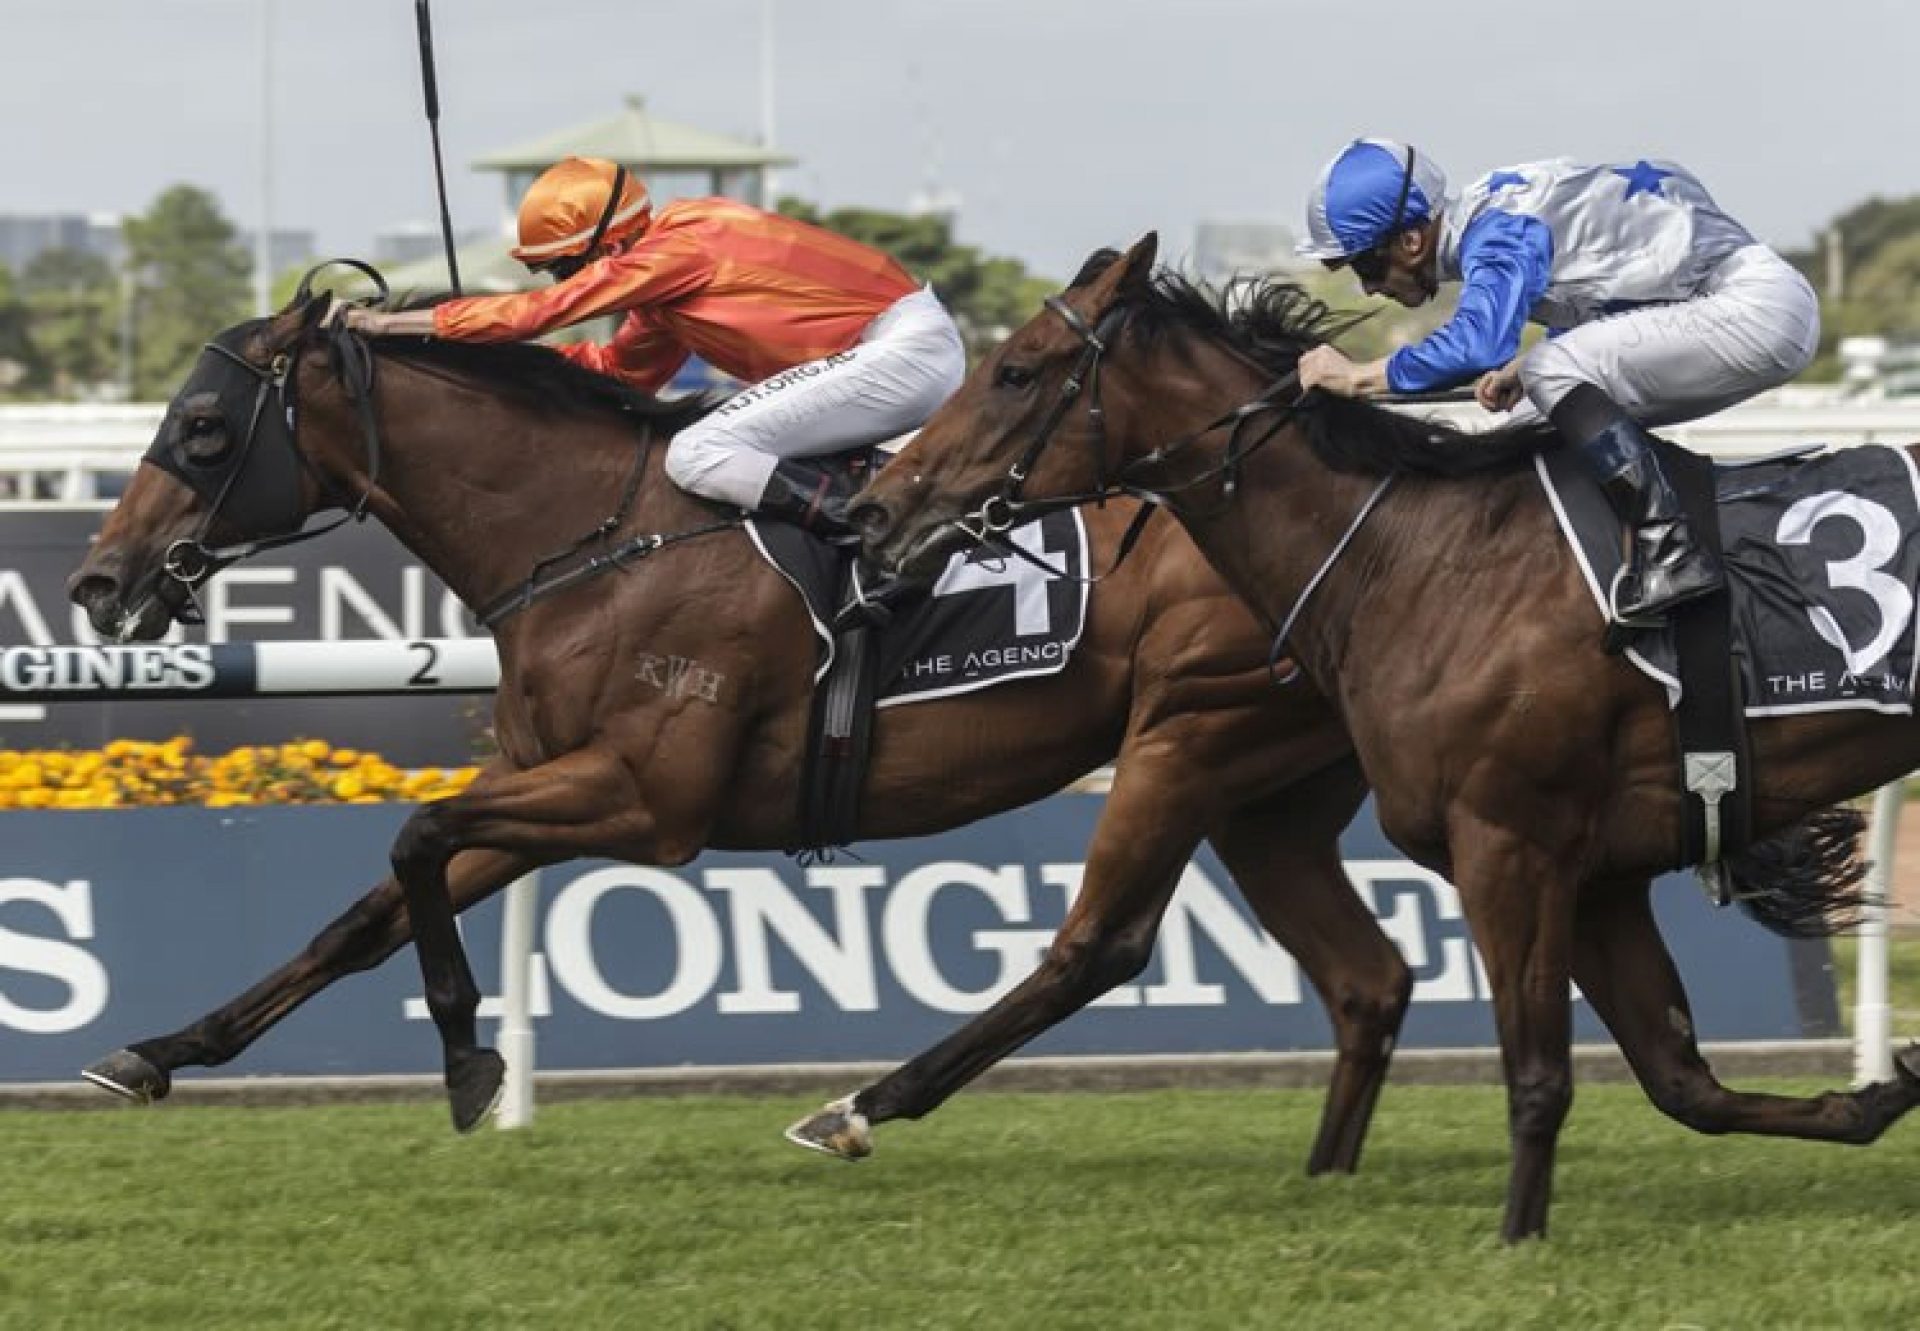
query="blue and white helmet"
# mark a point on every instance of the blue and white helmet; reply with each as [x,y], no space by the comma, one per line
[1359,199]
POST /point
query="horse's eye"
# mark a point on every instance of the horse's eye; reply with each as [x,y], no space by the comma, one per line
[203,439]
[1013,376]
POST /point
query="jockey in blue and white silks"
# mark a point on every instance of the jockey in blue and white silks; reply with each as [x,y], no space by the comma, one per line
[1660,307]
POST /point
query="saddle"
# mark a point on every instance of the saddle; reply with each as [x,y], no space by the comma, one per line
[986,620]
[1822,551]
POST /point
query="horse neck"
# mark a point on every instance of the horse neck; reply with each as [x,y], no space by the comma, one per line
[479,488]
[1288,511]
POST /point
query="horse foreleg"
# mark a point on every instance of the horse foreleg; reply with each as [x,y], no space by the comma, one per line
[1627,974]
[579,804]
[369,932]
[1518,895]
[1284,853]
[1144,839]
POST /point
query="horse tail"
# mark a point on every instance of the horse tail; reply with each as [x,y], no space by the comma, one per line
[1805,882]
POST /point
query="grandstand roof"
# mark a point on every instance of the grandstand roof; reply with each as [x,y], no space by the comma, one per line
[637,139]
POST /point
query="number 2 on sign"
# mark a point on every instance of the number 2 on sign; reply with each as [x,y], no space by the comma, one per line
[424,678]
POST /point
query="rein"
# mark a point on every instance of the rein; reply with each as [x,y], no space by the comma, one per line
[609,558]
[190,561]
[1001,512]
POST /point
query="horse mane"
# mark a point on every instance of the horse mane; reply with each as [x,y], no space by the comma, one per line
[540,378]
[1272,323]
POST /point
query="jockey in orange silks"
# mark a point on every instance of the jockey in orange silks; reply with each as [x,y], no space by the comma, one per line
[840,347]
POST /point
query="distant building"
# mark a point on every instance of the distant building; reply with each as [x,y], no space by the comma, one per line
[411,242]
[26,236]
[1224,250]
[286,248]
[1880,366]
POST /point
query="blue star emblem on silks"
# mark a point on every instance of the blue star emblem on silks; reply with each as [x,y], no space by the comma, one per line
[1499,180]
[1643,177]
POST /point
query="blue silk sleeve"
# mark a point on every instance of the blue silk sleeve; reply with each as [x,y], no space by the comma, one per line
[1505,262]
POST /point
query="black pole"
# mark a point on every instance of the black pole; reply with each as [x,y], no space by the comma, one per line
[433,126]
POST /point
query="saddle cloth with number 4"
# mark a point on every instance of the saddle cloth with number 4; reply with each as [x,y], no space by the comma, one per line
[1823,556]
[989,618]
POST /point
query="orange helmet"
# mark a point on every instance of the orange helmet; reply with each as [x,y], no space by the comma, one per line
[575,204]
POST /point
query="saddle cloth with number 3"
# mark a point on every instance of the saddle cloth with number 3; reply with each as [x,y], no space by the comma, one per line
[1823,556]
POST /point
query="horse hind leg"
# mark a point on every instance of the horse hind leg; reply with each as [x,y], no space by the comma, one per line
[369,932]
[1284,854]
[1627,974]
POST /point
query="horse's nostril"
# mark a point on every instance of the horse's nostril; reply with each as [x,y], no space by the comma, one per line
[870,519]
[92,588]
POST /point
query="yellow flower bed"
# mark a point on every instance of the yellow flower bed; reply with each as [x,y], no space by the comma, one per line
[135,772]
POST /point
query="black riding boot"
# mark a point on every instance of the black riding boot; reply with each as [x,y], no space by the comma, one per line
[814,498]
[1665,567]
[811,497]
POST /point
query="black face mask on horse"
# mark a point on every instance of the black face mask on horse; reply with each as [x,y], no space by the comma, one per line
[229,437]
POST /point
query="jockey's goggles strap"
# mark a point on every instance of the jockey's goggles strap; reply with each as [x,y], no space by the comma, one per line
[613,206]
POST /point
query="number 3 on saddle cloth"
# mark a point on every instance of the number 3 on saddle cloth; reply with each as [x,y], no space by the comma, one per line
[988,619]
[1822,552]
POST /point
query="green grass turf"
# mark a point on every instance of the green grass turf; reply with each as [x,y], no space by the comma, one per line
[1161,1210]
[1903,980]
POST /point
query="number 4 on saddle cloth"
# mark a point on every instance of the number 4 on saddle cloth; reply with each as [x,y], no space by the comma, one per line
[987,619]
[1822,552]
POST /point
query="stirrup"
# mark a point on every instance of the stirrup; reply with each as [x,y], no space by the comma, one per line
[1616,618]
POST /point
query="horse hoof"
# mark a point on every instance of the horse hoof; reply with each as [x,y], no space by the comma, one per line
[1906,1065]
[839,1129]
[474,1085]
[129,1076]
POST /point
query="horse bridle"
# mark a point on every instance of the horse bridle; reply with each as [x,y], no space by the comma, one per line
[1005,510]
[1001,512]
[189,561]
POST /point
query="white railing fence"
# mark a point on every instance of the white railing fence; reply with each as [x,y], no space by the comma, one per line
[310,669]
[1872,1005]
[81,453]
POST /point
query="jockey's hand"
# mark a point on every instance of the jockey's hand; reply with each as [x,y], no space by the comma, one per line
[1326,368]
[362,320]
[383,323]
[1499,390]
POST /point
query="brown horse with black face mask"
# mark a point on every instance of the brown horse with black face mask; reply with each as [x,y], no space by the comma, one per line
[484,459]
[1450,625]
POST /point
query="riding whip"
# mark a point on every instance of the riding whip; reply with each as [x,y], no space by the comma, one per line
[433,127]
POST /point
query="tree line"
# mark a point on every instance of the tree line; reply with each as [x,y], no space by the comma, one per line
[72,324]
[75,325]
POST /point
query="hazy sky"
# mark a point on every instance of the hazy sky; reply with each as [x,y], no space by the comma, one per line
[1063,125]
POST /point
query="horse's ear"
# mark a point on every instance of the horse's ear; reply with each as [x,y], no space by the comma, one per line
[315,310]
[1137,265]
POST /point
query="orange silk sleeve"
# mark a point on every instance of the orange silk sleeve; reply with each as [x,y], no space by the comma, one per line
[641,353]
[650,271]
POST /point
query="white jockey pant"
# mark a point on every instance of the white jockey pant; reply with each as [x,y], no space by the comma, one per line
[907,362]
[1754,324]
